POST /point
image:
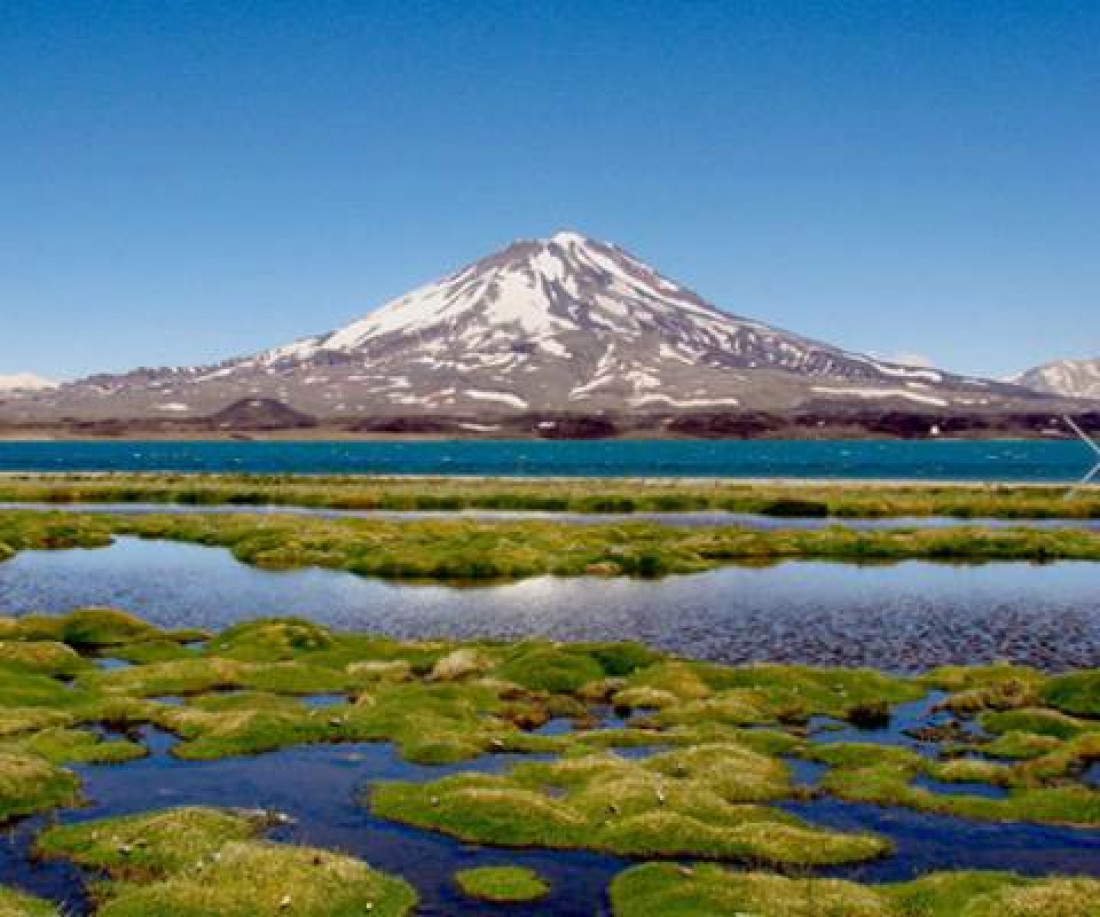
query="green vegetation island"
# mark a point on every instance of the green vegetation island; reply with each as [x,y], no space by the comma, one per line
[686,782]
[461,550]
[855,500]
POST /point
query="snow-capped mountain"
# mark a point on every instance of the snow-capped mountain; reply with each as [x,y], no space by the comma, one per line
[24,382]
[1071,378]
[565,324]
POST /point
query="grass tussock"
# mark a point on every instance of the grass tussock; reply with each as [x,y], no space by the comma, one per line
[704,801]
[717,734]
[15,903]
[195,862]
[502,884]
[29,784]
[704,891]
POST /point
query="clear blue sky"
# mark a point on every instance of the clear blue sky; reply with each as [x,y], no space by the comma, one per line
[181,182]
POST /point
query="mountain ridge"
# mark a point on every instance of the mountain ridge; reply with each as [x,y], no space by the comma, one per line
[1078,378]
[566,325]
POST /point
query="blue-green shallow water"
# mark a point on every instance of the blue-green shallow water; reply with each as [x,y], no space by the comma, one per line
[324,789]
[998,460]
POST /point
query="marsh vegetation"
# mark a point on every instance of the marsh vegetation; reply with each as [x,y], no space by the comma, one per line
[604,495]
[605,747]
[465,551]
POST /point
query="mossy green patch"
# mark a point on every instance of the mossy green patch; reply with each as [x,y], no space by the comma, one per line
[502,884]
[993,687]
[1036,721]
[690,693]
[256,879]
[22,689]
[42,657]
[272,639]
[706,891]
[439,723]
[19,904]
[75,746]
[96,628]
[16,720]
[550,668]
[701,801]
[1077,693]
[29,784]
[148,845]
[193,862]
[876,774]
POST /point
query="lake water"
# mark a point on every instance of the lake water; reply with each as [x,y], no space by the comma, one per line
[1000,460]
[905,617]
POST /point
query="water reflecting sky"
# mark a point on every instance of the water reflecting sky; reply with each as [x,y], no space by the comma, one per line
[907,617]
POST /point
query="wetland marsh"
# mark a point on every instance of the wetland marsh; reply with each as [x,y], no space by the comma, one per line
[298,714]
[202,778]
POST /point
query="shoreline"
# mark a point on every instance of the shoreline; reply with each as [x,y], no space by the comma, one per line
[839,483]
[551,497]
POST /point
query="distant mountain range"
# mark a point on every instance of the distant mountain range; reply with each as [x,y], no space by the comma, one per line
[560,334]
[1072,378]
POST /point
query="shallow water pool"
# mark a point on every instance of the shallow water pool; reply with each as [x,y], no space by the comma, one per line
[905,617]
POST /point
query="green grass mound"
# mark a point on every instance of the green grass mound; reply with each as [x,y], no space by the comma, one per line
[703,801]
[258,879]
[1077,694]
[97,628]
[1038,789]
[711,891]
[148,845]
[551,668]
[272,639]
[693,692]
[42,657]
[194,861]
[502,884]
[18,904]
[1038,722]
[74,746]
[20,689]
[29,784]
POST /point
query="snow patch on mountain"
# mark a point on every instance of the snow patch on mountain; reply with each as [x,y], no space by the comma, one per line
[881,393]
[1072,378]
[25,382]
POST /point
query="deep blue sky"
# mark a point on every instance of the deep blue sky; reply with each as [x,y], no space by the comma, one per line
[181,182]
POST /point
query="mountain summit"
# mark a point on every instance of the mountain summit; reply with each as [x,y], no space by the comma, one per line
[1071,378]
[566,324]
[572,321]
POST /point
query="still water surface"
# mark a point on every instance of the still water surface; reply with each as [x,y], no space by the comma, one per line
[905,617]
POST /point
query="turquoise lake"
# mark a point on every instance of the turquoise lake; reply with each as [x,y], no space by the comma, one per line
[996,460]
